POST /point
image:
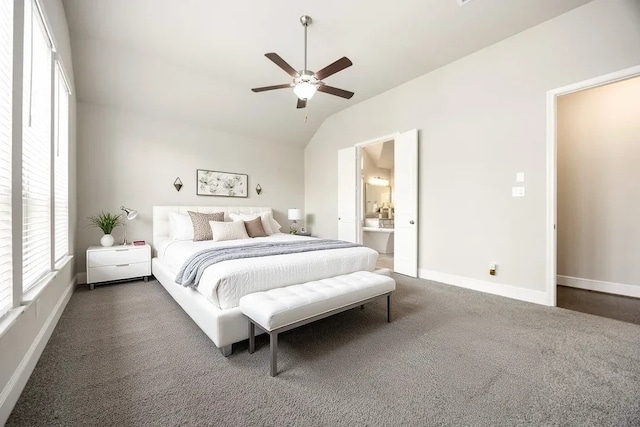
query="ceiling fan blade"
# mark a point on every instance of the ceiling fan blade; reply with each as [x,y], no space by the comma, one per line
[302,103]
[282,64]
[282,86]
[331,69]
[335,91]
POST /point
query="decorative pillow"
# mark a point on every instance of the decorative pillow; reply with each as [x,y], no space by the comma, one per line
[227,230]
[265,217]
[201,228]
[255,228]
[275,225]
[180,226]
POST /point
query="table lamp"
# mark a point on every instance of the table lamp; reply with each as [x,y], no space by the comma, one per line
[294,216]
[131,214]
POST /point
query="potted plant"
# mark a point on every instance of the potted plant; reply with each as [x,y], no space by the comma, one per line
[106,222]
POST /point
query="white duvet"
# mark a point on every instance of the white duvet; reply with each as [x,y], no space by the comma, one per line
[224,283]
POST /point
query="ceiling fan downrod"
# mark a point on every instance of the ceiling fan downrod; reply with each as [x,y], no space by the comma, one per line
[305,20]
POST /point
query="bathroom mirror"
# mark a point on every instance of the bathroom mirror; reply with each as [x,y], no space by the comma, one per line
[376,196]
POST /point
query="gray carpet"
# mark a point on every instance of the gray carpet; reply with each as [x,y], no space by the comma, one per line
[127,355]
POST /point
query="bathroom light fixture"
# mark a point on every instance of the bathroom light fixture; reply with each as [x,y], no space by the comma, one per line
[376,180]
[294,216]
[131,214]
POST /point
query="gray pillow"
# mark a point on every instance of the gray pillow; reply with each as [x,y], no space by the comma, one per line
[201,227]
[255,228]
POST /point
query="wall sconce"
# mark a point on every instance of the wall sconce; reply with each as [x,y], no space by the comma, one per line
[376,180]
[258,189]
[177,183]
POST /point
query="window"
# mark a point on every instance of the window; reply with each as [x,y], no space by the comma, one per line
[34,153]
[36,149]
[6,90]
[61,166]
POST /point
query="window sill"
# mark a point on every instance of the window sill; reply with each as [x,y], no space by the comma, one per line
[33,293]
[63,262]
[9,319]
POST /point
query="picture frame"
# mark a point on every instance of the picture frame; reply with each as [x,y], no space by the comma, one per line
[222,184]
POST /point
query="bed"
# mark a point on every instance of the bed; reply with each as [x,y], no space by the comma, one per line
[214,304]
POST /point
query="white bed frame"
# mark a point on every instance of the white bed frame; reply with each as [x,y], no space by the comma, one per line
[223,327]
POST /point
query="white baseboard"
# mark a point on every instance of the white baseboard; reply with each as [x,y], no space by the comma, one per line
[599,286]
[13,389]
[522,294]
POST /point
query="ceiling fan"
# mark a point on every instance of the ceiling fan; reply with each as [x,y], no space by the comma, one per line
[306,83]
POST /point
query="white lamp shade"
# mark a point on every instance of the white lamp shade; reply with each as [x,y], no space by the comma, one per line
[304,90]
[295,214]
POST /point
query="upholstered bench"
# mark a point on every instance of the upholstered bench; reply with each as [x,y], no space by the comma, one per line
[281,309]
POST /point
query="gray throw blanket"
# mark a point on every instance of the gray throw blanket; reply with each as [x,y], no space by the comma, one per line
[191,272]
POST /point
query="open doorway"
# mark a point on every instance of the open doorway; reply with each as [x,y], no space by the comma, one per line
[377,218]
[403,205]
[598,199]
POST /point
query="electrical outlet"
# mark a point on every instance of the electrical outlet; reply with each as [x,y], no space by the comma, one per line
[492,268]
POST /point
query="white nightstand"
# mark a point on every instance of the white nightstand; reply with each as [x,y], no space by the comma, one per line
[107,263]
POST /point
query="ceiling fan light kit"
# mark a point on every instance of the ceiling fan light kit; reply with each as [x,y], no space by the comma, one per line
[305,82]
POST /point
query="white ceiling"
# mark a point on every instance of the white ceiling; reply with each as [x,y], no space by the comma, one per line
[196,60]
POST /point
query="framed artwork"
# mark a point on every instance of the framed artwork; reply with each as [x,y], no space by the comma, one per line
[226,184]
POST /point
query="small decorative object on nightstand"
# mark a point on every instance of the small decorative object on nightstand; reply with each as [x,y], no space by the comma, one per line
[303,232]
[106,264]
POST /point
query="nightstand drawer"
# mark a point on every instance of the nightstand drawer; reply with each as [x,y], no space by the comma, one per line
[118,272]
[117,256]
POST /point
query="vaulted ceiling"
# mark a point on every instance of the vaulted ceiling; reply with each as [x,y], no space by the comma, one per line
[196,60]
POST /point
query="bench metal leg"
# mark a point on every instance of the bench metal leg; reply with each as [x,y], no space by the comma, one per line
[274,353]
[389,308]
[226,350]
[252,337]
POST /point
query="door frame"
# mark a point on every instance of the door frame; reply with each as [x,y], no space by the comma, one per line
[552,165]
[360,186]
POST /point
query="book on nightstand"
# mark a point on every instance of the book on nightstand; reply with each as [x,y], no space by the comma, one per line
[138,242]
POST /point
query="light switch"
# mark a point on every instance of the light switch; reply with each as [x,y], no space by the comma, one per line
[520,177]
[517,191]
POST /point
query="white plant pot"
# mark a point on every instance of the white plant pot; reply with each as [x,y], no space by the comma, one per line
[107,240]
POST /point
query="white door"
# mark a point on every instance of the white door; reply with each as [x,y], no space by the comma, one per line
[405,204]
[347,195]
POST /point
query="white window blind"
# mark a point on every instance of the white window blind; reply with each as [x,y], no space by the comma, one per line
[36,150]
[61,167]
[6,89]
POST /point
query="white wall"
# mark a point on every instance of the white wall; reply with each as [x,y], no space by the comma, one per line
[481,120]
[131,160]
[598,176]
[22,344]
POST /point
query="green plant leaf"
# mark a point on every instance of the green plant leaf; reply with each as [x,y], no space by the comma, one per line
[105,221]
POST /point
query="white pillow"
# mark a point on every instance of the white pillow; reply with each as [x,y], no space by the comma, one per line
[265,217]
[275,226]
[228,230]
[180,226]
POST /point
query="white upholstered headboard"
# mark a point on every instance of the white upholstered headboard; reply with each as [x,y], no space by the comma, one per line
[161,216]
